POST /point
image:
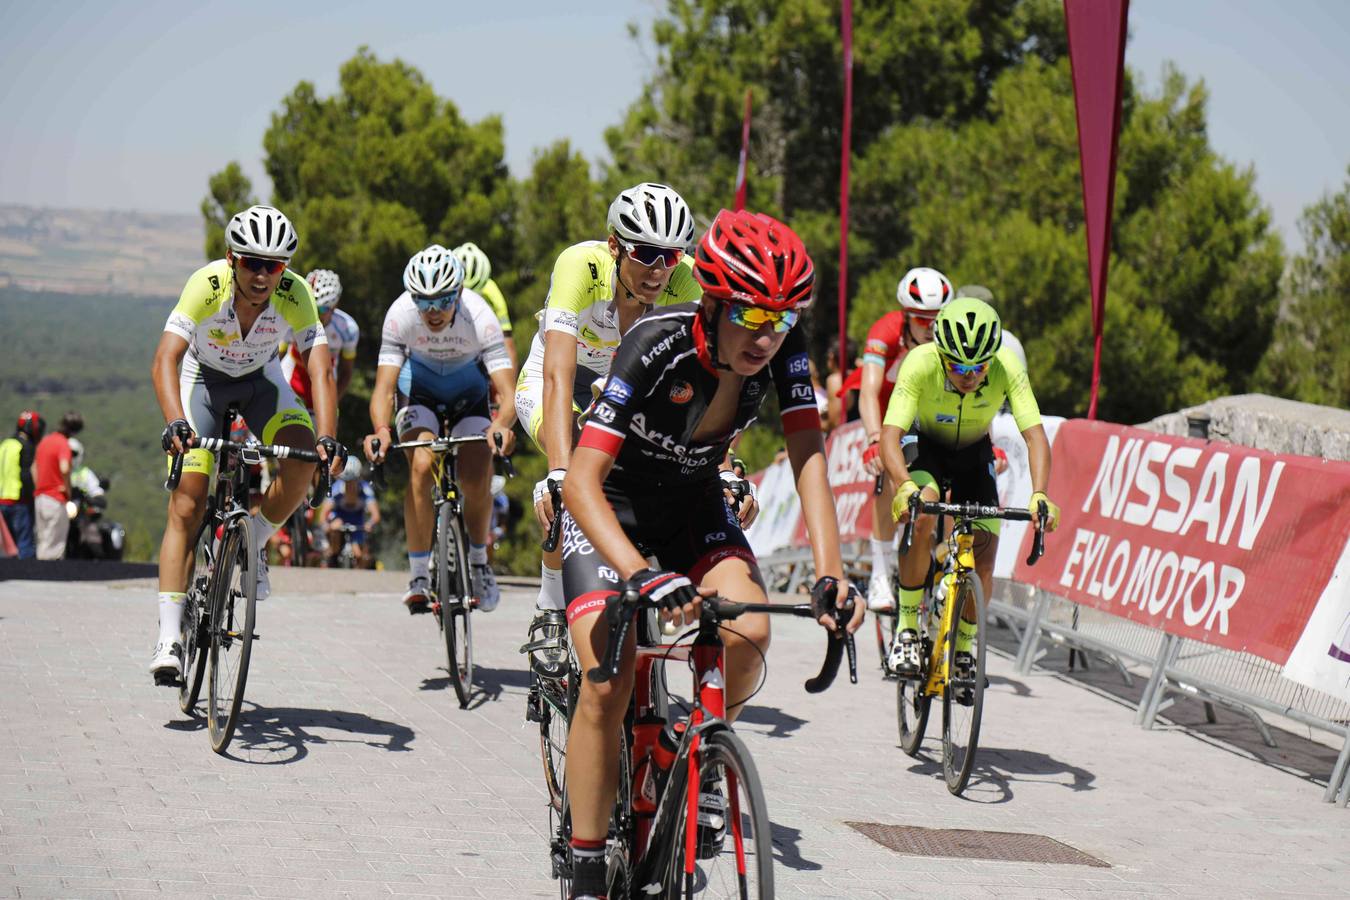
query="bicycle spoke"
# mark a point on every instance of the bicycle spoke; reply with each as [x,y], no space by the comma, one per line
[234,590]
[963,699]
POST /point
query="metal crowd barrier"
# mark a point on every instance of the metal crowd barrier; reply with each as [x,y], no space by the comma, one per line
[1178,667]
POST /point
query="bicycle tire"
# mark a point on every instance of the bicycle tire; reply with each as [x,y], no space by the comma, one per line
[299,534]
[912,708]
[454,602]
[722,754]
[233,613]
[885,628]
[555,708]
[961,723]
[192,632]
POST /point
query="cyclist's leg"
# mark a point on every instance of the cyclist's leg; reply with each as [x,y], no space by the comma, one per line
[276,416]
[530,412]
[415,422]
[592,750]
[974,482]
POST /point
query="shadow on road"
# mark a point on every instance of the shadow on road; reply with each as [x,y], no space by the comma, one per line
[282,735]
[781,723]
[488,684]
[785,852]
[997,769]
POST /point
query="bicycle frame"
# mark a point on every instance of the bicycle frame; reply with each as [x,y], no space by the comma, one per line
[961,564]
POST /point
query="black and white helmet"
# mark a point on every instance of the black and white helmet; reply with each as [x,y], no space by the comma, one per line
[326,287]
[653,214]
[477,268]
[434,272]
[262,231]
[924,290]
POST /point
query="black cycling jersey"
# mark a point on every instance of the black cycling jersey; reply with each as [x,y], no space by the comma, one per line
[660,385]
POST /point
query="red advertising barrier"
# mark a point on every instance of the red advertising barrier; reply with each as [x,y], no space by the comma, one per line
[1204,540]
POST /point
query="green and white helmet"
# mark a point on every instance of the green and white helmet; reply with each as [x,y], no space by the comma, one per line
[968,331]
[477,268]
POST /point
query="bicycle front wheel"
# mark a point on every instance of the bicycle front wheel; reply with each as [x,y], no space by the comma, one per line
[233,608]
[963,697]
[453,593]
[193,635]
[733,852]
[557,699]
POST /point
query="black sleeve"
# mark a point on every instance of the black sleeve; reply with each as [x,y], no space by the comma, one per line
[791,371]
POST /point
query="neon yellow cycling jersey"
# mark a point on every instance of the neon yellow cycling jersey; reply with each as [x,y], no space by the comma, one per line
[204,317]
[581,302]
[923,393]
[493,295]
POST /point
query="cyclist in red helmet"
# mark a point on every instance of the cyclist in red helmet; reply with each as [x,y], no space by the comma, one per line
[686,380]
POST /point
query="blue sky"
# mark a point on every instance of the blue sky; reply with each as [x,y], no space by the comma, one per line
[130,105]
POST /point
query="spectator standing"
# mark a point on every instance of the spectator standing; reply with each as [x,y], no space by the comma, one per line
[17,475]
[52,487]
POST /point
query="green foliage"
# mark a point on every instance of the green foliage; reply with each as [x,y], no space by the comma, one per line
[966,158]
[228,192]
[1308,360]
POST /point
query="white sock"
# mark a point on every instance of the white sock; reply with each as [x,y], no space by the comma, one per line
[550,589]
[419,562]
[881,558]
[170,615]
[477,554]
[262,529]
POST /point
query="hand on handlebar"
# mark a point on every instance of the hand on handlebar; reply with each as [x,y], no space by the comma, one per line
[332,453]
[376,445]
[502,440]
[677,596]
[548,497]
[176,436]
[1051,510]
[901,504]
[837,602]
[872,458]
[741,496]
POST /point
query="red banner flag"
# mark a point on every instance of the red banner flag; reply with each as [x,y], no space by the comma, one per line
[1097,53]
[846,14]
[742,168]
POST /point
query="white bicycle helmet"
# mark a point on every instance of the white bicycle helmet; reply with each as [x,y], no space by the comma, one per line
[326,287]
[652,214]
[262,231]
[76,453]
[351,470]
[477,268]
[433,273]
[924,290]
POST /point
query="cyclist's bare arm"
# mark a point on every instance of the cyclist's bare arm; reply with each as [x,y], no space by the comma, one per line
[1038,457]
[382,411]
[583,497]
[869,400]
[164,371]
[560,372]
[344,375]
[504,382]
[806,453]
[892,457]
[372,514]
[323,391]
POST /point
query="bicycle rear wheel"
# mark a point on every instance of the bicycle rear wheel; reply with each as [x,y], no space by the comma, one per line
[557,699]
[233,608]
[297,531]
[963,698]
[740,864]
[193,635]
[453,592]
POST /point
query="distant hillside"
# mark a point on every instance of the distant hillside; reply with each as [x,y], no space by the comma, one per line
[98,252]
[92,354]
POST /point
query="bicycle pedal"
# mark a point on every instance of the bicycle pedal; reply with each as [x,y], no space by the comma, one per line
[168,679]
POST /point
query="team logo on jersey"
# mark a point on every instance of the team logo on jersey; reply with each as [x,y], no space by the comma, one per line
[617,390]
[595,273]
[215,286]
[798,365]
[589,335]
[876,346]
[752,389]
[285,284]
[219,334]
[803,392]
[603,412]
[681,391]
[946,419]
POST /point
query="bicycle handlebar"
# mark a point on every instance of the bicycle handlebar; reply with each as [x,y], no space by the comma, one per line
[977,511]
[554,527]
[272,451]
[620,608]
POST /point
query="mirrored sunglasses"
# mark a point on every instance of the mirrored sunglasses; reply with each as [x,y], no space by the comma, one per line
[443,302]
[262,264]
[754,318]
[648,255]
[957,368]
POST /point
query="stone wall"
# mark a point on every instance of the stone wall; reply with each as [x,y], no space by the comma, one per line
[1266,423]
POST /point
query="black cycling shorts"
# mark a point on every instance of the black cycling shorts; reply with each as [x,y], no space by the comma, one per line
[969,471]
[688,533]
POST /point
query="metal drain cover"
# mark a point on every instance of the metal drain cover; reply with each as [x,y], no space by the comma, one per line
[962,844]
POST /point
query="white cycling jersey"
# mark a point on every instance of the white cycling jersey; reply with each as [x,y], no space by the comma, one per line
[343,335]
[474,334]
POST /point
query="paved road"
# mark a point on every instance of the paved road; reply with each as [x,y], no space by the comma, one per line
[357,775]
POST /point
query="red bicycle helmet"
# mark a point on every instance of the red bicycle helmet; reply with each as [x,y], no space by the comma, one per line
[754,259]
[30,423]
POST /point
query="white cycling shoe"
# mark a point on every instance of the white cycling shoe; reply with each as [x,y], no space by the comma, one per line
[166,663]
[904,659]
[264,583]
[484,586]
[879,596]
[417,598]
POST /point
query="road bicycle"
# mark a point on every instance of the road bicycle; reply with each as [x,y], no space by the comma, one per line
[957,594]
[346,557]
[661,844]
[219,610]
[451,587]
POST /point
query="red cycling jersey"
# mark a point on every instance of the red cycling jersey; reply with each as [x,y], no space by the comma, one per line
[885,347]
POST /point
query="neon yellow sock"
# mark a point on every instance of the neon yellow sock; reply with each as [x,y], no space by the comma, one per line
[909,602]
[965,635]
